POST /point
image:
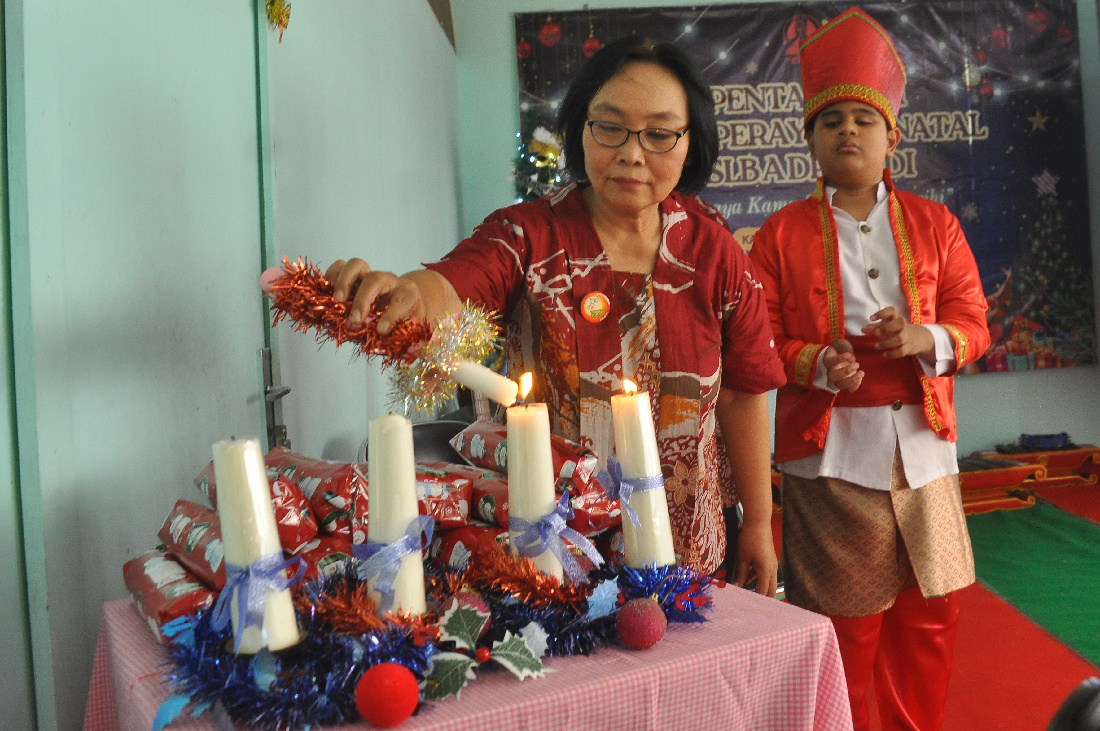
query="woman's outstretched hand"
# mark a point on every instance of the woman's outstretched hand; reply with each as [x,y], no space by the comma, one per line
[418,295]
[355,280]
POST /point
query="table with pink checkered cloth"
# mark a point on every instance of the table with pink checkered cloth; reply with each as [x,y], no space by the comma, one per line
[758,664]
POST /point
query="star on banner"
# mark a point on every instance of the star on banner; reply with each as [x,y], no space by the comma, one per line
[1045,183]
[1038,121]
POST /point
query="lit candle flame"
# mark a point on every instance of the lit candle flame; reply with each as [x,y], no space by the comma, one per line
[524,386]
[629,386]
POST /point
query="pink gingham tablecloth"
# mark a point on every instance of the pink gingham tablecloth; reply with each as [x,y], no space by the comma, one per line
[758,665]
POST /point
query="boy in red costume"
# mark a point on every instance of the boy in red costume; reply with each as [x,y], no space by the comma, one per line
[875,302]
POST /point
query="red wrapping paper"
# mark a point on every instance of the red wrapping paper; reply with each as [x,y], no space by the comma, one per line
[192,535]
[164,590]
[484,444]
[490,499]
[444,491]
[454,547]
[337,491]
[325,556]
[294,515]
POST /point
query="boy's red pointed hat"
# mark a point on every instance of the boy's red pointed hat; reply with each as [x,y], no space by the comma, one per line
[852,58]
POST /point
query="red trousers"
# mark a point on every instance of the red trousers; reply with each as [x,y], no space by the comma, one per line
[907,650]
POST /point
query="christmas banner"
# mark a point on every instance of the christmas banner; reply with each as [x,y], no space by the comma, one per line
[992,126]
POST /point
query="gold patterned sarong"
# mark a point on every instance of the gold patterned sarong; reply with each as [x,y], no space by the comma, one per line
[848,551]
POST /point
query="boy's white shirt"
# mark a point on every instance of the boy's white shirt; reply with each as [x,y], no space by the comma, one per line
[860,445]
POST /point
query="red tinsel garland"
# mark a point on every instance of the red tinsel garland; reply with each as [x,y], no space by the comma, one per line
[494,569]
[304,296]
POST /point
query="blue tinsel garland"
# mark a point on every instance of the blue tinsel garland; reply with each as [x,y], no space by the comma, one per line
[313,683]
[310,684]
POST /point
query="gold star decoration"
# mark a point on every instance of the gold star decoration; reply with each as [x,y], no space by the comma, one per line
[1038,121]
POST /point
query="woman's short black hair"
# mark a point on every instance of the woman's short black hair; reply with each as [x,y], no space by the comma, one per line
[703,140]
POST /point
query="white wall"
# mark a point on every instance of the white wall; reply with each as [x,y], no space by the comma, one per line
[139,223]
[135,197]
[364,125]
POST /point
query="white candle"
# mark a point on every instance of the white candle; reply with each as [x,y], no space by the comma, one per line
[531,473]
[392,505]
[249,533]
[477,377]
[636,448]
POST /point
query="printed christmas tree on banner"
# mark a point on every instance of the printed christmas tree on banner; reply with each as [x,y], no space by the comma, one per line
[1051,298]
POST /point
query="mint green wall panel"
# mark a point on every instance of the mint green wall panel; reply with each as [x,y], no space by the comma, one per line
[17,679]
[136,250]
[992,408]
[363,112]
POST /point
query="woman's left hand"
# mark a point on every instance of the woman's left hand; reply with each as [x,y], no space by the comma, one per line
[756,558]
[744,421]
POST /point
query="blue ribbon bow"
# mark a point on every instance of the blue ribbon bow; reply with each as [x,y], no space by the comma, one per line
[251,583]
[382,561]
[535,538]
[620,488]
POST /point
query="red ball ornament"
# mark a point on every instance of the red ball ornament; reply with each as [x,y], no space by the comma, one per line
[1065,35]
[798,29]
[981,56]
[641,623]
[387,694]
[591,46]
[999,37]
[1038,20]
[523,48]
[550,33]
[987,89]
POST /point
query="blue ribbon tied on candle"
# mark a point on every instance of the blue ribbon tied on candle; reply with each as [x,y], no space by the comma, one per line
[250,583]
[620,488]
[382,561]
[534,539]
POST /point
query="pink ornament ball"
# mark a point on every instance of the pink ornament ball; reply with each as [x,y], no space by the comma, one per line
[387,694]
[269,277]
[641,623]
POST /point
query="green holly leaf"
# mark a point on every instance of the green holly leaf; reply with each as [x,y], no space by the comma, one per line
[513,653]
[463,624]
[449,674]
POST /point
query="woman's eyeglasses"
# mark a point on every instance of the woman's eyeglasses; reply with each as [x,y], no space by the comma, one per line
[653,139]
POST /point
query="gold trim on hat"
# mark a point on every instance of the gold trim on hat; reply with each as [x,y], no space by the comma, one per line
[852,92]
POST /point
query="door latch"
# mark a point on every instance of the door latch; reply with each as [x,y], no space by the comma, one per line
[276,431]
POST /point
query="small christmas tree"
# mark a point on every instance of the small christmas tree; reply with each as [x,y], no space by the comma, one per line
[1050,287]
[539,164]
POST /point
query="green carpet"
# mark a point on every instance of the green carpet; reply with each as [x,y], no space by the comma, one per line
[1046,563]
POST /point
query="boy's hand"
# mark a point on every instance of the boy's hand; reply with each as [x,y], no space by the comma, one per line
[899,338]
[840,363]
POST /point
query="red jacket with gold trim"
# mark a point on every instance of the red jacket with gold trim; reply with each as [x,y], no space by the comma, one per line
[796,256]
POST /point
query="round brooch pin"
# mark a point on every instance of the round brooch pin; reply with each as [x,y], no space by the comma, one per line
[595,306]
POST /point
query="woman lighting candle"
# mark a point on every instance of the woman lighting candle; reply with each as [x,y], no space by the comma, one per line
[625,268]
[649,539]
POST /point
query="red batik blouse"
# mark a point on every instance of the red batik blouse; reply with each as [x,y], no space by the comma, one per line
[698,321]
